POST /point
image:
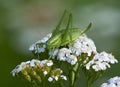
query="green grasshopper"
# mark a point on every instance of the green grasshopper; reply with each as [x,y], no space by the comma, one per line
[62,37]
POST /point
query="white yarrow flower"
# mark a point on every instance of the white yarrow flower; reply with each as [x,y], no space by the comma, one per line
[63,54]
[50,79]
[49,63]
[63,77]
[112,82]
[101,61]
[72,59]
[40,45]
[56,78]
[83,45]
[33,61]
[45,72]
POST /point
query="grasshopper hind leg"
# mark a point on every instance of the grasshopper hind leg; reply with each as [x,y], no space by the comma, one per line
[59,24]
[67,36]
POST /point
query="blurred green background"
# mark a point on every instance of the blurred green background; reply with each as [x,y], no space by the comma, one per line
[23,22]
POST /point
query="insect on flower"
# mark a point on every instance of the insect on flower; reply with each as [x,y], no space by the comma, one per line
[62,37]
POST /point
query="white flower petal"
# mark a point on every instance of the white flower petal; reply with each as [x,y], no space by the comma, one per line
[50,79]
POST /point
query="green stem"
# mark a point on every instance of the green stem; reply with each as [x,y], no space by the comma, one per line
[88,84]
[73,76]
[35,84]
[72,83]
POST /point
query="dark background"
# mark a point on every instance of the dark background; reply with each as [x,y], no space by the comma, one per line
[23,22]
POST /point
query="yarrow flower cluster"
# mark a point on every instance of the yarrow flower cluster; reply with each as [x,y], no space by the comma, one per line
[101,61]
[112,82]
[74,50]
[40,46]
[34,68]
[64,54]
[83,45]
[71,50]
[34,63]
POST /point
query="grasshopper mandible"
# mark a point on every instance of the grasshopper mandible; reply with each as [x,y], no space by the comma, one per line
[61,37]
